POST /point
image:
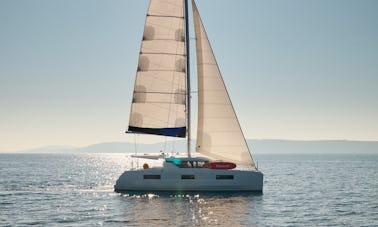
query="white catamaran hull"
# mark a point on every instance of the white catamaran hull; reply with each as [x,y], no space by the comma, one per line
[161,106]
[161,179]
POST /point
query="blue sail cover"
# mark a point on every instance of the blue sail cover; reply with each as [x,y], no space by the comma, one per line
[174,132]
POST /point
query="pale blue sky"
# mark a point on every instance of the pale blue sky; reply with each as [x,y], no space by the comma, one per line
[301,70]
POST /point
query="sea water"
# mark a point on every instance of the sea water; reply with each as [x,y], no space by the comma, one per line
[77,190]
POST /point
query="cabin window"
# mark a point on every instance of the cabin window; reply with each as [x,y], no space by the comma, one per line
[225,177]
[187,177]
[156,177]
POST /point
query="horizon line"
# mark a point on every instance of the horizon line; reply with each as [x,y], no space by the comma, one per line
[179,140]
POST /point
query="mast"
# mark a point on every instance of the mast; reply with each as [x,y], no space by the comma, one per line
[187,79]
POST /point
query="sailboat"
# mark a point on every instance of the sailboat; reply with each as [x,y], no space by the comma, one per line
[161,106]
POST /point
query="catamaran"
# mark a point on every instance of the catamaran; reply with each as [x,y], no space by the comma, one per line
[161,106]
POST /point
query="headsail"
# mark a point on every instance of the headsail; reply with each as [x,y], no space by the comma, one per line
[219,134]
[158,105]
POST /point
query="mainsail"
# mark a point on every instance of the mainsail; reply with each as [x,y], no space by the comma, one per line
[218,134]
[159,99]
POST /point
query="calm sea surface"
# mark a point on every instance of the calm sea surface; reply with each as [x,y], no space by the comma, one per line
[77,189]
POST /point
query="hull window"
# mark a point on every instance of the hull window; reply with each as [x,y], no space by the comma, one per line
[225,177]
[187,177]
[156,177]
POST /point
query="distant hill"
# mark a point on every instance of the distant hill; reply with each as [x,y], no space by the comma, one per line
[256,146]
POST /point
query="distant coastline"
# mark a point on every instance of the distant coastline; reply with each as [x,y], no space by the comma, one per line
[263,146]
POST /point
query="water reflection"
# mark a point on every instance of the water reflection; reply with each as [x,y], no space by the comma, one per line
[194,208]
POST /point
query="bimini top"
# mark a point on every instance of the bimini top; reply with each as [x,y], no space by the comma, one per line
[185,162]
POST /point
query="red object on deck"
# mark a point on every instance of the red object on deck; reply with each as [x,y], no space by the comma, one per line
[220,165]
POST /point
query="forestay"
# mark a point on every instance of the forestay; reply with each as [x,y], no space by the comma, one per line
[218,134]
[158,105]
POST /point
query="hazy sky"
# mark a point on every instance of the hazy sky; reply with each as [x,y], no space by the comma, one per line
[300,69]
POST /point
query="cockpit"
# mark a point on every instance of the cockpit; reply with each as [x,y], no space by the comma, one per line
[188,162]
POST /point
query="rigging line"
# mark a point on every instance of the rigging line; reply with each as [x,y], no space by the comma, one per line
[135,144]
[173,148]
[204,63]
[162,93]
[179,41]
[161,70]
[136,150]
[171,16]
[161,102]
[220,146]
[165,144]
[163,54]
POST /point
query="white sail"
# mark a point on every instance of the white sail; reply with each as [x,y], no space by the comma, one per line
[159,98]
[219,134]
